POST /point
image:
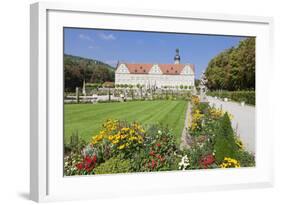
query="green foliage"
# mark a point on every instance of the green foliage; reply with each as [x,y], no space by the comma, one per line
[249,97]
[76,143]
[160,148]
[77,69]
[91,86]
[197,82]
[233,69]
[245,158]
[114,165]
[224,140]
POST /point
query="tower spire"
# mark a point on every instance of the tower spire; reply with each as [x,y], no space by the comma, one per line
[177,57]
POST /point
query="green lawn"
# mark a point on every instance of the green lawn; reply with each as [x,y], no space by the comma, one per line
[88,118]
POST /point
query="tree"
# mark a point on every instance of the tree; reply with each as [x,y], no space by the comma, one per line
[139,86]
[77,69]
[234,68]
[131,91]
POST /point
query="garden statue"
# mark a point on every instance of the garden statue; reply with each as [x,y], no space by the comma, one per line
[84,88]
[203,87]
[77,94]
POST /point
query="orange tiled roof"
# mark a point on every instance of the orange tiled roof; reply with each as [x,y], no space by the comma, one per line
[167,69]
[136,68]
[171,69]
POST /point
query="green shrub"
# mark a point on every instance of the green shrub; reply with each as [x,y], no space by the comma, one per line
[245,158]
[224,140]
[114,165]
[75,145]
[249,97]
[203,107]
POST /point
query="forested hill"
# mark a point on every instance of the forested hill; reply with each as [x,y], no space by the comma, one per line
[76,69]
[234,68]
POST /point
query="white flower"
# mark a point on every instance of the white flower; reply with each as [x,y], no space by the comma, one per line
[184,163]
[159,132]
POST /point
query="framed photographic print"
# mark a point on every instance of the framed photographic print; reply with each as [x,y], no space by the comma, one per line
[127,102]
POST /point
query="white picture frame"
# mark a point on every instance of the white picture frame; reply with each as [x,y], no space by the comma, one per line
[47,182]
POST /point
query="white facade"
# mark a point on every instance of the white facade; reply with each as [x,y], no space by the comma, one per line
[155,76]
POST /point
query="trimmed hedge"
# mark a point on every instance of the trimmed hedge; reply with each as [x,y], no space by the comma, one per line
[224,140]
[114,165]
[249,97]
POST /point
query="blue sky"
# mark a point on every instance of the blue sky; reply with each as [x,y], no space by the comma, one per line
[110,46]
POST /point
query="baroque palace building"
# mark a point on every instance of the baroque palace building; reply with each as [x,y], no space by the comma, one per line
[156,75]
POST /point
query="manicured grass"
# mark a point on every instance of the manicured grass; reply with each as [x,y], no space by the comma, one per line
[88,118]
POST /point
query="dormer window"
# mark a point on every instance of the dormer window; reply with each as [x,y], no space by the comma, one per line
[143,70]
[136,71]
[141,67]
[172,68]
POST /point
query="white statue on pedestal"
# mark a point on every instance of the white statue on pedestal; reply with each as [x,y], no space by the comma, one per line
[203,87]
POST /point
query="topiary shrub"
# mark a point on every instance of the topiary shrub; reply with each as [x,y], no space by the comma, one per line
[114,165]
[224,140]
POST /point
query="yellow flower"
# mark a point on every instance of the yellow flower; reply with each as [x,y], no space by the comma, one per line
[121,146]
[195,100]
[239,143]
[125,129]
[229,162]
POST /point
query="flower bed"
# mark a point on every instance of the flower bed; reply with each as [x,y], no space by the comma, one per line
[122,147]
[214,144]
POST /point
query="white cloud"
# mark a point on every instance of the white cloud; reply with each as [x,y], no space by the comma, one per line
[107,36]
[86,37]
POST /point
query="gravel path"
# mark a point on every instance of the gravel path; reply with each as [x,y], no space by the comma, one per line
[243,122]
[184,137]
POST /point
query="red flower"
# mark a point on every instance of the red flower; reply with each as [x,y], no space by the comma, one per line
[79,166]
[151,153]
[95,158]
[158,144]
[153,164]
[207,160]
[159,156]
[88,161]
[88,164]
